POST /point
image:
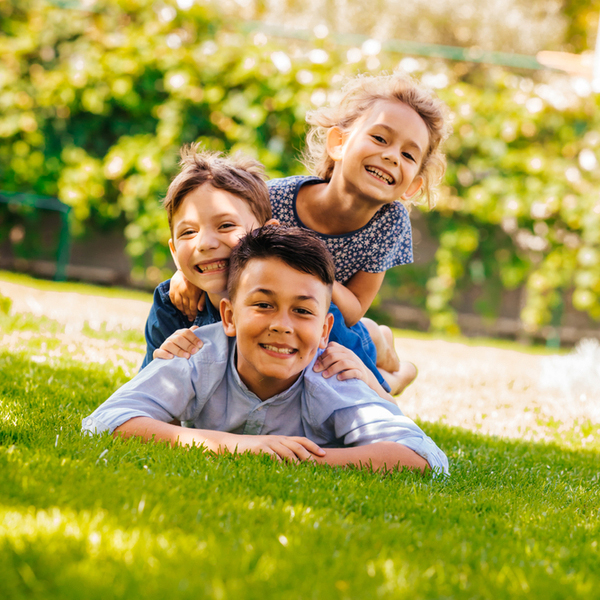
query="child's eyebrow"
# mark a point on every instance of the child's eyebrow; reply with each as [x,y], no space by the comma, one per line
[225,215]
[181,224]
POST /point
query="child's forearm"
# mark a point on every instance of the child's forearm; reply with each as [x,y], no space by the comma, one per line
[356,295]
[280,447]
[380,455]
[348,303]
[152,430]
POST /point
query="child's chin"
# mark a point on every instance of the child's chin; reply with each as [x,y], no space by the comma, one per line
[216,286]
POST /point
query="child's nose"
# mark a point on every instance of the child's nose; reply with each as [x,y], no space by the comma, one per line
[207,240]
[391,155]
[281,323]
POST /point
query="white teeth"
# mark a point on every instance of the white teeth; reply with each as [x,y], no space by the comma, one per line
[221,264]
[279,350]
[381,175]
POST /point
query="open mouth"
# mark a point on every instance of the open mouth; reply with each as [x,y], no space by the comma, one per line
[285,351]
[218,265]
[381,175]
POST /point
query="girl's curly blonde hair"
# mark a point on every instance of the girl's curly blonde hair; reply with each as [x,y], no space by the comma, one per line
[359,94]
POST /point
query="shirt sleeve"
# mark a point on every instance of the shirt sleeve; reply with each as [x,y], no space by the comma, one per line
[370,423]
[166,389]
[162,391]
[349,413]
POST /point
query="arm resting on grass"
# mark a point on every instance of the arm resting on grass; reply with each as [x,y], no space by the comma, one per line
[387,456]
[383,455]
[293,448]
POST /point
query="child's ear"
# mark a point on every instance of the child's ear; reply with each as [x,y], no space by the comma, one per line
[326,331]
[335,143]
[173,253]
[273,222]
[226,309]
[413,188]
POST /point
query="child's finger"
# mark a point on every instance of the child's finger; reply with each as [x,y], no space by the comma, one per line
[351,374]
[162,353]
[190,309]
[299,451]
[324,361]
[201,302]
[309,445]
[339,366]
[283,452]
[269,451]
[174,348]
[188,342]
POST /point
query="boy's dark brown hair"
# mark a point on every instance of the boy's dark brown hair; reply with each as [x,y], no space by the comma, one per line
[240,175]
[298,248]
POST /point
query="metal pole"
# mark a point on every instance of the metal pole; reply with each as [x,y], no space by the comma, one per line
[596,76]
[64,247]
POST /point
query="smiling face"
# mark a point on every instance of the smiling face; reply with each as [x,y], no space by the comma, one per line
[380,157]
[279,316]
[206,226]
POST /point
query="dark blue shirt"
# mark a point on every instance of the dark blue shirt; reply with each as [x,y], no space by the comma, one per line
[165,319]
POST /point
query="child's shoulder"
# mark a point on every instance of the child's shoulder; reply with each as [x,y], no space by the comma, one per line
[217,346]
[391,219]
[289,184]
[161,293]
[324,396]
[164,309]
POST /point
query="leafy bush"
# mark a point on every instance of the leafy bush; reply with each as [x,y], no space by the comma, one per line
[94,106]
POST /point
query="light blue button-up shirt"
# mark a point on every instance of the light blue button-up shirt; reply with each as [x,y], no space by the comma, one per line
[206,391]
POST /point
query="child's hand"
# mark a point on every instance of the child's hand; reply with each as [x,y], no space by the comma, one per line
[183,343]
[281,447]
[341,361]
[185,296]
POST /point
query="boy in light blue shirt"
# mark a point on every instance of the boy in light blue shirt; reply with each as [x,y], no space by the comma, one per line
[252,388]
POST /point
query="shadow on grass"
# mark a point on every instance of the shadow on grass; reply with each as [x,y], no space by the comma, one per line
[80,511]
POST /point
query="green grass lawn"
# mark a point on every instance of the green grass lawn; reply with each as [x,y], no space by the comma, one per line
[102,518]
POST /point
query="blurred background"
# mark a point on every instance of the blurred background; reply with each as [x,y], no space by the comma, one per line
[96,97]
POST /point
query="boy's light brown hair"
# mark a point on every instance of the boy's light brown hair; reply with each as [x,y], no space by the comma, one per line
[358,96]
[239,175]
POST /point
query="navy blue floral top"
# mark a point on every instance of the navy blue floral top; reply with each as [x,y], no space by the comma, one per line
[384,242]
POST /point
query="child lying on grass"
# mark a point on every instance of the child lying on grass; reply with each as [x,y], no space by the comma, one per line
[251,387]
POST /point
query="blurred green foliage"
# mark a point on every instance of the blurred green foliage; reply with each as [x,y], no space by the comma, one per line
[94,106]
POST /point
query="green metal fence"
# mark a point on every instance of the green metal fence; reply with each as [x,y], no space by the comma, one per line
[53,204]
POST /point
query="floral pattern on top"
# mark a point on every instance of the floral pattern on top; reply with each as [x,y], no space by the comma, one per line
[384,242]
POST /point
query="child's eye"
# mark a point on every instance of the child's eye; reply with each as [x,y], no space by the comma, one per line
[227,226]
[303,311]
[379,139]
[409,156]
[263,305]
[187,233]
